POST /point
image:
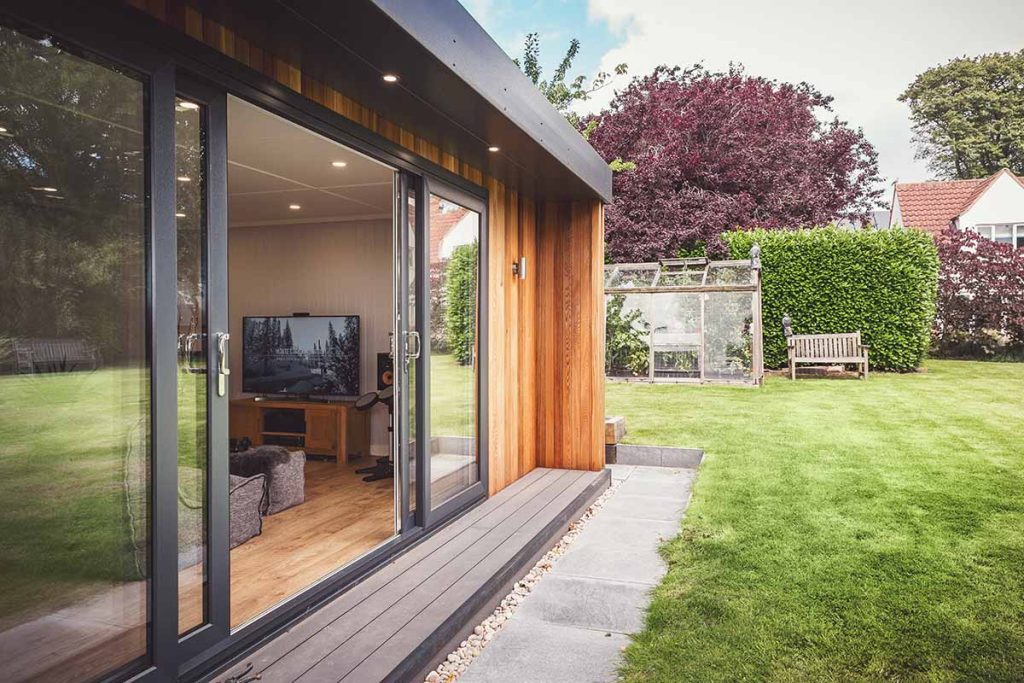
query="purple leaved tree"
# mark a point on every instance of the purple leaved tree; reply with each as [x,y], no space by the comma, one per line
[698,153]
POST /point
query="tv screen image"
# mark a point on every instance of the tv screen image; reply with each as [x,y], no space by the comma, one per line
[301,355]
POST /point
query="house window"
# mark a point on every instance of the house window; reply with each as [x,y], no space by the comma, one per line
[1004,233]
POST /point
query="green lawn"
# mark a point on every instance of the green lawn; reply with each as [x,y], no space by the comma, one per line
[452,397]
[64,524]
[841,530]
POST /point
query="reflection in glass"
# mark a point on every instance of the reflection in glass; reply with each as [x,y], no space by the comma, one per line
[74,377]
[192,375]
[454,305]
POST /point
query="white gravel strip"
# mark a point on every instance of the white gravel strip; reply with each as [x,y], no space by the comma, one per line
[456,662]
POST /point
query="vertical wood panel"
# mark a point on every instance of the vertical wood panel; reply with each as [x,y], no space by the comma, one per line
[570,335]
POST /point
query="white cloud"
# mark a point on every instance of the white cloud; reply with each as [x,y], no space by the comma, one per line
[862,53]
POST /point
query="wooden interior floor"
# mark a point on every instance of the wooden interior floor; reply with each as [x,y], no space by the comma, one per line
[343,518]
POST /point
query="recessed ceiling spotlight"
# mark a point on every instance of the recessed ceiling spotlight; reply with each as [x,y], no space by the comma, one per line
[179,215]
[188,105]
[294,207]
[45,189]
[339,164]
[184,179]
[494,148]
[390,78]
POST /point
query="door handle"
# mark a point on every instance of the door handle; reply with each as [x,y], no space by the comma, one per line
[409,353]
[222,363]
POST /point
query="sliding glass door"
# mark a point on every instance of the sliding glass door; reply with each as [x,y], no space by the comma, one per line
[75,377]
[444,341]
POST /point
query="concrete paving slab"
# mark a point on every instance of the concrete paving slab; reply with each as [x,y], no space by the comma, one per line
[597,604]
[538,652]
[678,488]
[633,506]
[618,549]
[662,474]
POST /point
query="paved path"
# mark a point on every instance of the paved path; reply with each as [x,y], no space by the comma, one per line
[573,626]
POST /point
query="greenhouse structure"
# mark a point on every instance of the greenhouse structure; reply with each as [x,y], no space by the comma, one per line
[684,320]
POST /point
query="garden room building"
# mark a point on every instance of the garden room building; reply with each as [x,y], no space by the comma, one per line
[286,289]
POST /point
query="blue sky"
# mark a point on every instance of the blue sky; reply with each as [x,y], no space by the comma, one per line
[557,22]
[863,53]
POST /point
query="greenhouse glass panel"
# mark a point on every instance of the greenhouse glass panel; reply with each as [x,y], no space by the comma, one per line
[684,320]
[675,335]
[730,274]
[728,341]
[627,335]
[635,276]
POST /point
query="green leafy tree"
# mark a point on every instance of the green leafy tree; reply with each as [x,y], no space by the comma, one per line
[559,91]
[968,115]
[461,297]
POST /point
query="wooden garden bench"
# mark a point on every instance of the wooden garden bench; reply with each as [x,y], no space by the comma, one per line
[818,349]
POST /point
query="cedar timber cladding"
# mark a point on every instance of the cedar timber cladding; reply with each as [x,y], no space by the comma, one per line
[546,356]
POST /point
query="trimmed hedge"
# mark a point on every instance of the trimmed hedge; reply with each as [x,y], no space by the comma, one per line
[461,302]
[880,282]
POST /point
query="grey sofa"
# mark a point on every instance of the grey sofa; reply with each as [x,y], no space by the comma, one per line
[285,472]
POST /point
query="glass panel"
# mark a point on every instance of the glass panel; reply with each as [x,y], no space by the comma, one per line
[637,276]
[1020,237]
[74,374]
[728,339]
[454,265]
[410,393]
[680,277]
[627,335]
[1003,234]
[721,274]
[192,370]
[675,335]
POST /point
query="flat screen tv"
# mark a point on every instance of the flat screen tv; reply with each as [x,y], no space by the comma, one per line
[301,356]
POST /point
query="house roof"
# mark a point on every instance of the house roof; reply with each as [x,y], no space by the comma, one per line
[931,206]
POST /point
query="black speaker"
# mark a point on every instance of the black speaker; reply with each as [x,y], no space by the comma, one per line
[385,371]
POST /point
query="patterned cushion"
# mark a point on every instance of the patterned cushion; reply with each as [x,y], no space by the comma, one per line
[247,496]
[285,471]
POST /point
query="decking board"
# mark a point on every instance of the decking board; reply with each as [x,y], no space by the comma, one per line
[394,619]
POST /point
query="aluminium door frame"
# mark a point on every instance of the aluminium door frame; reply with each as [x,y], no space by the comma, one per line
[424,505]
[217,590]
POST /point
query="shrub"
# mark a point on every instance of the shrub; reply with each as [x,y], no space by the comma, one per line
[461,303]
[981,297]
[625,340]
[879,282]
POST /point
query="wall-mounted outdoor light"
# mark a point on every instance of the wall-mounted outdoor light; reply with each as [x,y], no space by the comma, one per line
[519,268]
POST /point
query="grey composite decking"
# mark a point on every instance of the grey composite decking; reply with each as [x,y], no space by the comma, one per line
[402,619]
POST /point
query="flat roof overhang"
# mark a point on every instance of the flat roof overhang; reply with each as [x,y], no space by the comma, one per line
[456,88]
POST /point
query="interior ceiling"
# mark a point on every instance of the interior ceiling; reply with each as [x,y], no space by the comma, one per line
[274,163]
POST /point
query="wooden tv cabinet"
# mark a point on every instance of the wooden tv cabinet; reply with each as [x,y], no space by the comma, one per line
[333,428]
